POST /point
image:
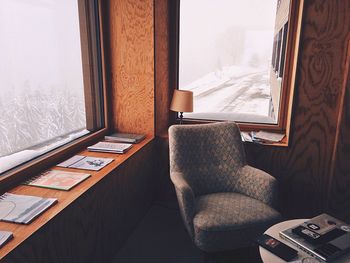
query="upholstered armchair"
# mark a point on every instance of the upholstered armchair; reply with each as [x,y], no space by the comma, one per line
[225,203]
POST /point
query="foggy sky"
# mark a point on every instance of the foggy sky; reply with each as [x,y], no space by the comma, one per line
[40,45]
[208,26]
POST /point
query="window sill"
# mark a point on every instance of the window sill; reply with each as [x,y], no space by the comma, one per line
[65,198]
[283,143]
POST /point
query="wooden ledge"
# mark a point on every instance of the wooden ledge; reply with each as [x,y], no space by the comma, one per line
[22,232]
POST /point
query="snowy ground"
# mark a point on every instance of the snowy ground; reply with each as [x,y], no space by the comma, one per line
[12,160]
[232,91]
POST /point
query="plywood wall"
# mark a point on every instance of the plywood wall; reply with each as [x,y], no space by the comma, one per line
[305,167]
[130,34]
[162,56]
[314,171]
[339,181]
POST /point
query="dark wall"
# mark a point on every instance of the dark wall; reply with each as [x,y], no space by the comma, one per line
[314,171]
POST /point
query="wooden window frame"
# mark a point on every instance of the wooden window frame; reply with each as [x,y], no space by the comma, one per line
[96,103]
[289,71]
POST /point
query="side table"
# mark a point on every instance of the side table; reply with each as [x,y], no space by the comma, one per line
[268,257]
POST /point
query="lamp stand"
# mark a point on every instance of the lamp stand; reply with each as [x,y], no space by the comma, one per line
[181,117]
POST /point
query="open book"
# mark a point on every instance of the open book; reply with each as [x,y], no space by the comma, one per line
[23,209]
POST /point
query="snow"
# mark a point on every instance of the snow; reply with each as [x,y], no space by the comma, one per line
[235,90]
[225,53]
[42,101]
[15,159]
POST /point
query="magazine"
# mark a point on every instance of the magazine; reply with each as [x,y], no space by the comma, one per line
[56,179]
[86,162]
[5,236]
[23,209]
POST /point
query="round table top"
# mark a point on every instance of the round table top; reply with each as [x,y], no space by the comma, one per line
[268,257]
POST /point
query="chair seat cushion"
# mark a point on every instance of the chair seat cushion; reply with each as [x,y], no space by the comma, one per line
[230,220]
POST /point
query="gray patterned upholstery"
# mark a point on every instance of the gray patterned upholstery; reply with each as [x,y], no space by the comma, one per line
[224,202]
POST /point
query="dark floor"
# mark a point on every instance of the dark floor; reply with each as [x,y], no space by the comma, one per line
[161,237]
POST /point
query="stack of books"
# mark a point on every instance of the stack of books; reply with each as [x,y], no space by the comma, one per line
[125,137]
[323,237]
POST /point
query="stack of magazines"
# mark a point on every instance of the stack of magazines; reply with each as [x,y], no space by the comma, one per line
[323,237]
[110,147]
[125,137]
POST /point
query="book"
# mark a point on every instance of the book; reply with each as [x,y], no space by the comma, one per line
[323,237]
[266,136]
[5,236]
[86,162]
[56,179]
[110,147]
[23,209]
[125,137]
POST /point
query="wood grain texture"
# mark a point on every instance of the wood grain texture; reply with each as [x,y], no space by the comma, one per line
[90,222]
[304,168]
[339,198]
[162,84]
[132,65]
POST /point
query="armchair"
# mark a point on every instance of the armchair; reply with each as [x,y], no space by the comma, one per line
[224,202]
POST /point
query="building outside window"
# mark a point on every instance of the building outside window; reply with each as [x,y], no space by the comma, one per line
[228,52]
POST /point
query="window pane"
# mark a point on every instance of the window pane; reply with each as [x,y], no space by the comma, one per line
[42,93]
[225,58]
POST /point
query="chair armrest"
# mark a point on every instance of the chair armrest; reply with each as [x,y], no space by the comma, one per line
[185,198]
[257,184]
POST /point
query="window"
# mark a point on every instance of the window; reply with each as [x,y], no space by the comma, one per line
[232,55]
[50,77]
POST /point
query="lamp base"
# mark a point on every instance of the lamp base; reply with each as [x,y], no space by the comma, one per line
[181,117]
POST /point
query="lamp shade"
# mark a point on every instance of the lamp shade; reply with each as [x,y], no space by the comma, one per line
[182,101]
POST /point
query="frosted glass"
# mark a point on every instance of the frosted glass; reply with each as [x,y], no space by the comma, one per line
[225,56]
[41,79]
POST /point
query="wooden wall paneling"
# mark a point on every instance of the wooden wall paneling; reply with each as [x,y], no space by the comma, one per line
[95,226]
[132,65]
[162,81]
[304,167]
[339,198]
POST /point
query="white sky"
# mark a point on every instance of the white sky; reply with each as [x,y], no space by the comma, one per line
[39,44]
[205,26]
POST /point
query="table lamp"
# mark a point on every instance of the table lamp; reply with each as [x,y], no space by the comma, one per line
[182,102]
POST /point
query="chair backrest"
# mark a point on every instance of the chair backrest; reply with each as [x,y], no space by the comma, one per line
[208,155]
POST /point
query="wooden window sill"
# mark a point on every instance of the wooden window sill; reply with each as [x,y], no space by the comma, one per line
[283,143]
[65,198]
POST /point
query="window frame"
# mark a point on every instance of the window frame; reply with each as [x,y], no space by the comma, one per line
[95,92]
[289,73]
